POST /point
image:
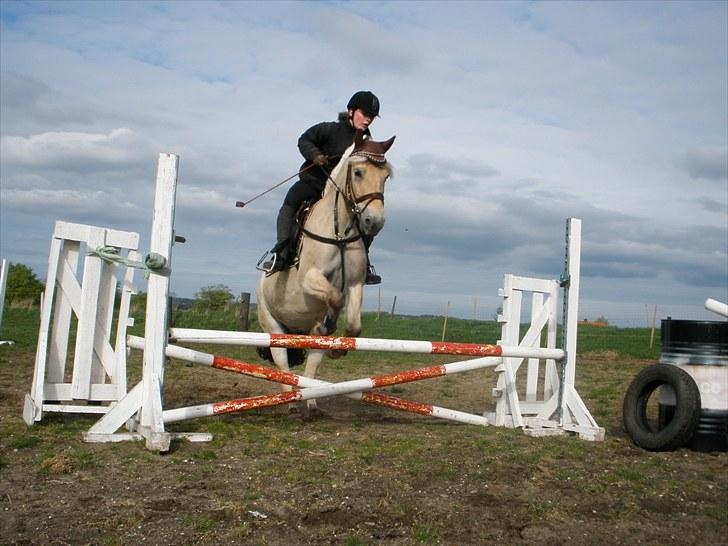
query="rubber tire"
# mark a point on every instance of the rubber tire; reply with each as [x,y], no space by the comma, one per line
[681,428]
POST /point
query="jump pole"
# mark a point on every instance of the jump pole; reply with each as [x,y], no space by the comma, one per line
[289,341]
[287,378]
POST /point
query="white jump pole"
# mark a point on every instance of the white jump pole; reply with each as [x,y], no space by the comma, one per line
[287,378]
[289,341]
[716,306]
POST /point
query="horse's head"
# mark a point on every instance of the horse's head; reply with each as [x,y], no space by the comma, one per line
[367,172]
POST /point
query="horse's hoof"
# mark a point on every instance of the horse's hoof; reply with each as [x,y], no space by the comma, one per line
[312,414]
[328,325]
[336,353]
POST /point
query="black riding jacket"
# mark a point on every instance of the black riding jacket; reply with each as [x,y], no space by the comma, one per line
[330,138]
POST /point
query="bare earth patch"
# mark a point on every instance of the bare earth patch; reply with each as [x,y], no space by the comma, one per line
[359,475]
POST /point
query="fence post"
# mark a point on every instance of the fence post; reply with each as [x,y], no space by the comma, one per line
[244,311]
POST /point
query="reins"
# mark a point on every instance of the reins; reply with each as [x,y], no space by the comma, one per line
[352,201]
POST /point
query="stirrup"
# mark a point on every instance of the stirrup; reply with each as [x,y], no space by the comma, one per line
[267,262]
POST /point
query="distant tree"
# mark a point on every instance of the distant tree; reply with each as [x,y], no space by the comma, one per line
[23,285]
[213,297]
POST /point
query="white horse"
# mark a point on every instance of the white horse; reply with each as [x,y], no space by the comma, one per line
[332,261]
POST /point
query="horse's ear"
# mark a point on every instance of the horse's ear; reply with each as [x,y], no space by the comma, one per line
[388,144]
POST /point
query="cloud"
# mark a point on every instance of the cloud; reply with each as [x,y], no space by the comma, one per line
[707,163]
[27,99]
[78,152]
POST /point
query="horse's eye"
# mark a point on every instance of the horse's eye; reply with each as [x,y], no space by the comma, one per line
[358,173]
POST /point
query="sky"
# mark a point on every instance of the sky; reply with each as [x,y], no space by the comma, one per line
[510,118]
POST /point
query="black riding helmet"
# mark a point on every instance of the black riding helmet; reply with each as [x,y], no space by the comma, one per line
[364,100]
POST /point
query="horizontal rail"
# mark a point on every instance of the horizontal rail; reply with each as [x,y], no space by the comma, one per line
[291,379]
[291,341]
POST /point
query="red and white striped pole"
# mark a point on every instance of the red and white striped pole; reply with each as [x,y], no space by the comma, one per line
[291,341]
[309,384]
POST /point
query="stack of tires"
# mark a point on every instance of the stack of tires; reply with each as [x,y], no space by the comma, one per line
[691,381]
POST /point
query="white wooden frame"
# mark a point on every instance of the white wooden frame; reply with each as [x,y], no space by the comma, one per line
[98,374]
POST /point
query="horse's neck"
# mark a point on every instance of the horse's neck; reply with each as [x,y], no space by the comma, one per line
[322,214]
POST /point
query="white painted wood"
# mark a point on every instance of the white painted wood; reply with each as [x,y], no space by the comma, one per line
[155,333]
[120,413]
[573,263]
[118,376]
[87,318]
[62,311]
[82,233]
[537,307]
[92,301]
[64,391]
[4,269]
[41,353]
[551,375]
[141,408]
[69,408]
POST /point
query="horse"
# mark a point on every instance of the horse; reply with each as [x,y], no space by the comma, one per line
[332,259]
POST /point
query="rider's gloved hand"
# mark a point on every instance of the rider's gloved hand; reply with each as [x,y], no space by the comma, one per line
[320,160]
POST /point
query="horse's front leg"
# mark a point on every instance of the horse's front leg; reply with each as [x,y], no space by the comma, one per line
[353,316]
[353,310]
[310,410]
[315,284]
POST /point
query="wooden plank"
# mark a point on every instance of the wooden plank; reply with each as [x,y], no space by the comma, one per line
[41,353]
[87,318]
[84,233]
[123,322]
[155,332]
[103,362]
[62,311]
[533,363]
[64,391]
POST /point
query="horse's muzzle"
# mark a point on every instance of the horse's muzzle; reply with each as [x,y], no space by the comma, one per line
[371,224]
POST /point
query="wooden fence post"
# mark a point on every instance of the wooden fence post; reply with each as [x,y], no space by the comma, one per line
[244,311]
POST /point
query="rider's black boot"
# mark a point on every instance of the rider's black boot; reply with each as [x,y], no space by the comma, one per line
[372,277]
[279,257]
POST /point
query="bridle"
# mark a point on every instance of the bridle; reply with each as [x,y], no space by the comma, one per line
[353,202]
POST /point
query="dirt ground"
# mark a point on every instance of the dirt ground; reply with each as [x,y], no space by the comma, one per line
[359,475]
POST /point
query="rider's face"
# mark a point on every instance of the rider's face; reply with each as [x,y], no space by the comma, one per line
[361,120]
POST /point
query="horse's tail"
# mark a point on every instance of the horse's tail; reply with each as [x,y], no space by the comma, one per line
[296,357]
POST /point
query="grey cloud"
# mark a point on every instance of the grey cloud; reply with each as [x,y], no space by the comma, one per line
[434,173]
[707,163]
[713,205]
[367,46]
[25,100]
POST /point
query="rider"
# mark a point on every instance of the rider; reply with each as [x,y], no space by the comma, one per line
[322,146]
